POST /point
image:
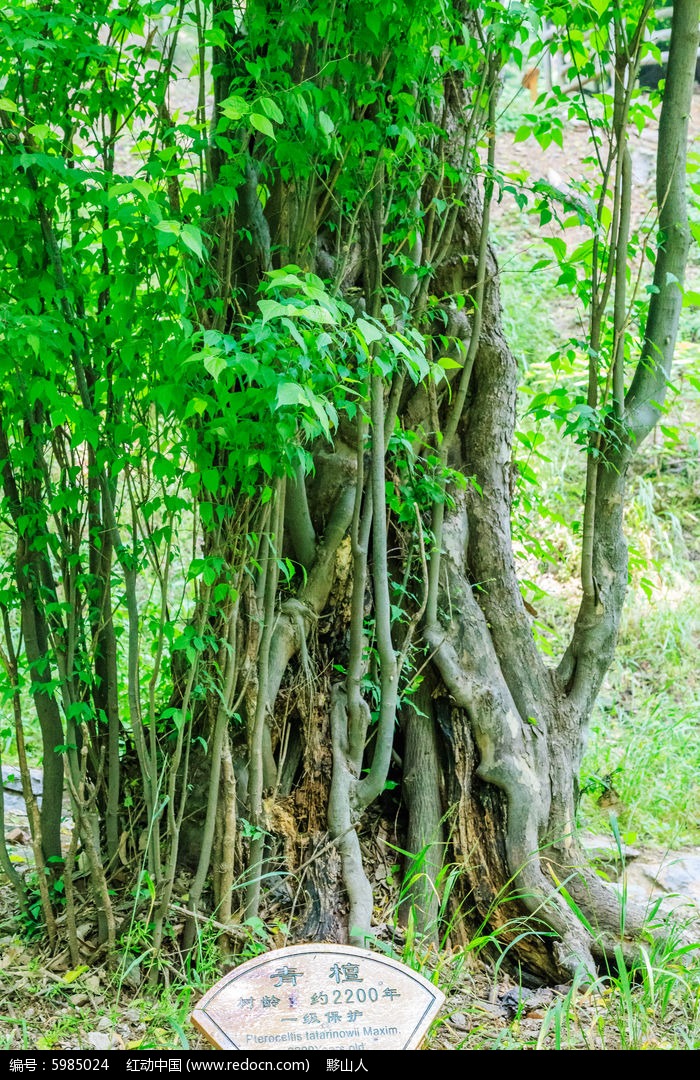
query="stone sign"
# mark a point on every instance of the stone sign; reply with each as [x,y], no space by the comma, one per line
[319,997]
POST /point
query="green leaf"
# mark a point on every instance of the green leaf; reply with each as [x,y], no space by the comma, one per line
[169,228]
[214,363]
[321,415]
[234,107]
[191,237]
[325,123]
[285,279]
[40,131]
[272,309]
[292,330]
[289,393]
[557,245]
[139,186]
[71,976]
[270,109]
[215,36]
[369,331]
[261,123]
[210,479]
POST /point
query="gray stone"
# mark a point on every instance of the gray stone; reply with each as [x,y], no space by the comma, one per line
[668,885]
[604,848]
[12,779]
[99,1040]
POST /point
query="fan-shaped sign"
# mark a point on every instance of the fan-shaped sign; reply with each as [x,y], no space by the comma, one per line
[319,997]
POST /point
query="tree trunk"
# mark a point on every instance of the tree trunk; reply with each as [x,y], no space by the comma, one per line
[340,389]
[514,728]
[423,791]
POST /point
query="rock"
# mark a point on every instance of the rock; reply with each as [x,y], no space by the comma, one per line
[98,1040]
[497,1012]
[643,162]
[520,1000]
[667,885]
[603,847]
[12,779]
[681,875]
[18,836]
[514,1000]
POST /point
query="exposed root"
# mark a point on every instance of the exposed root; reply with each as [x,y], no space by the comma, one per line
[616,923]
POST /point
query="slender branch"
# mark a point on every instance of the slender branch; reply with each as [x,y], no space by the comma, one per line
[9,662]
[256,735]
[592,644]
[648,390]
[620,315]
[372,786]
[358,714]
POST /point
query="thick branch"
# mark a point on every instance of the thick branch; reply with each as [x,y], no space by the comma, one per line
[648,388]
[297,520]
[257,728]
[372,786]
[588,656]
[513,757]
[341,822]
[487,451]
[296,616]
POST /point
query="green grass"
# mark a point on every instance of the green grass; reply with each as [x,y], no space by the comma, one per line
[651,1003]
[645,731]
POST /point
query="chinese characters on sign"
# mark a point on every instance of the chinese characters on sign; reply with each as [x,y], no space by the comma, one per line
[319,997]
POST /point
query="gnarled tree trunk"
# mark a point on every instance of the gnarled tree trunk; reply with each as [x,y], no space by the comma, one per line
[327,377]
[512,728]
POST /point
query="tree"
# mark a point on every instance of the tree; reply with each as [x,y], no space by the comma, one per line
[258,470]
